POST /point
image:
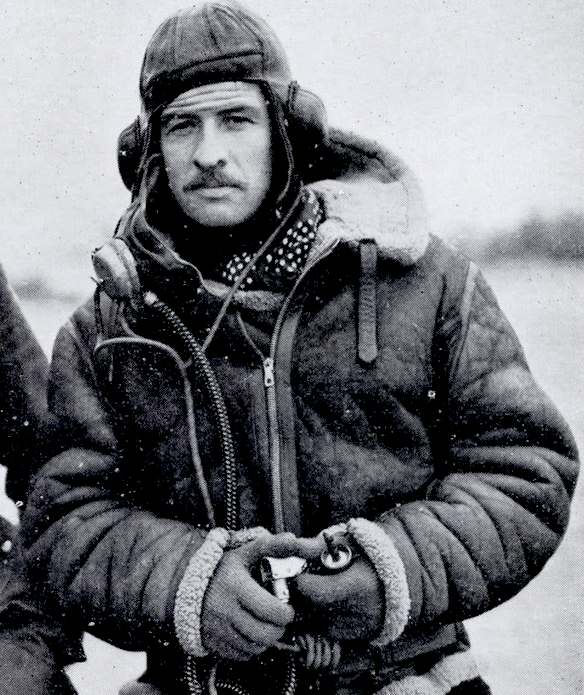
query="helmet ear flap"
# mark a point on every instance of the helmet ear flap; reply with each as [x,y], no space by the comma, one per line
[307,114]
[130,150]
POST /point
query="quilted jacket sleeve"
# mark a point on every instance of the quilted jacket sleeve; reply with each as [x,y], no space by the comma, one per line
[24,421]
[33,647]
[499,505]
[112,566]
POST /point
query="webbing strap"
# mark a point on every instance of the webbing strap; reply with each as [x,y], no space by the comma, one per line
[367,307]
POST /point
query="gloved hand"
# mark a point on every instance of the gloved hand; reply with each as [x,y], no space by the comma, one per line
[27,666]
[240,618]
[346,605]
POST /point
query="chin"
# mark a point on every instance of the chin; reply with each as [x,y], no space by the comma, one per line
[217,217]
[218,221]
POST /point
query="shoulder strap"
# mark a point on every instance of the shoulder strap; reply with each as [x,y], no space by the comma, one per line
[367,303]
[465,309]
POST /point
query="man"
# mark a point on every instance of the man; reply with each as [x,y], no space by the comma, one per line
[33,648]
[280,363]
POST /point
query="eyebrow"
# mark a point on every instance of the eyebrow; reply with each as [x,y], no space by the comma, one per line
[179,114]
[250,109]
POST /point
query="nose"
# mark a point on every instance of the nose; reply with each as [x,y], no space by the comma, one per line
[210,148]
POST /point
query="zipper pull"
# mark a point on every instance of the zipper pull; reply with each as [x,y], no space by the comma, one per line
[268,372]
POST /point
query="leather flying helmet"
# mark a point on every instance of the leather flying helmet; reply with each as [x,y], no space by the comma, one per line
[218,41]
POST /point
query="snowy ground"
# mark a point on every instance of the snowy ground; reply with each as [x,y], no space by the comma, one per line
[533,645]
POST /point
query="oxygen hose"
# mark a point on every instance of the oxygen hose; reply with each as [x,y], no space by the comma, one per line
[219,410]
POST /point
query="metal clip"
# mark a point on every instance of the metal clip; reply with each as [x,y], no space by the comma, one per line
[276,571]
[338,554]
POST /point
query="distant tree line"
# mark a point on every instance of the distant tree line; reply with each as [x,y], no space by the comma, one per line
[36,286]
[558,238]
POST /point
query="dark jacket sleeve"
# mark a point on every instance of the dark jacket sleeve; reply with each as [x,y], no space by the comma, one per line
[499,506]
[113,566]
[33,648]
[25,426]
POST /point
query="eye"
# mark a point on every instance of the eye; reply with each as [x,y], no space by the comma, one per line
[178,126]
[237,119]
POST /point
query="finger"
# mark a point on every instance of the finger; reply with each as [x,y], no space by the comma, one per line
[285,545]
[238,644]
[280,545]
[309,548]
[258,601]
[317,589]
[260,635]
[227,651]
[255,631]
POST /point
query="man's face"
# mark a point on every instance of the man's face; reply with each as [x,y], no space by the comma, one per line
[217,151]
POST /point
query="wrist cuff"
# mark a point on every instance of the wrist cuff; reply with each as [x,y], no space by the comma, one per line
[382,553]
[188,604]
[191,591]
[245,535]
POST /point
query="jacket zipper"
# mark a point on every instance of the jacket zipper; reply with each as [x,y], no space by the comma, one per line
[269,377]
[274,444]
[269,368]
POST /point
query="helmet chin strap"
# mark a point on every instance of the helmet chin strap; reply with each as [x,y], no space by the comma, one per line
[281,136]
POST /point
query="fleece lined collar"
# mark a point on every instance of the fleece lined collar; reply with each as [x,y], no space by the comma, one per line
[367,193]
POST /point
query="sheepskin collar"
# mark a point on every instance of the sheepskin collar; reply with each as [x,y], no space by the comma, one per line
[367,193]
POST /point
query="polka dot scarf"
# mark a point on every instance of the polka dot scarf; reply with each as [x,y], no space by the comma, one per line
[283,262]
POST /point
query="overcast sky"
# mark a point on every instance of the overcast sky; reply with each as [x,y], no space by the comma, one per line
[483,99]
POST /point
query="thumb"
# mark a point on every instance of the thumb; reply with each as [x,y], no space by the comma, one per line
[282,545]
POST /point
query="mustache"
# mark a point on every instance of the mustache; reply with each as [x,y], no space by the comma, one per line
[213,179]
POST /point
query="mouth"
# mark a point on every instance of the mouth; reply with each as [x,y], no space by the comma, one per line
[211,186]
[213,191]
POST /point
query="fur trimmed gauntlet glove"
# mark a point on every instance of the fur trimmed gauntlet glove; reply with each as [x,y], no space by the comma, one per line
[220,608]
[369,599]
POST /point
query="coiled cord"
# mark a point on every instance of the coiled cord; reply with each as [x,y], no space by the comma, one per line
[320,653]
[218,408]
